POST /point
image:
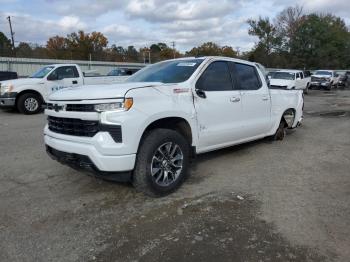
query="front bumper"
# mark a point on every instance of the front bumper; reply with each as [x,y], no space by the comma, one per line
[101,162]
[320,84]
[8,99]
[81,162]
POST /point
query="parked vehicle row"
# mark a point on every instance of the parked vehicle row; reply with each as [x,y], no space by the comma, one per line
[147,129]
[28,94]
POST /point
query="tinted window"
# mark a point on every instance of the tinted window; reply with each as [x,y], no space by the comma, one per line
[174,71]
[301,75]
[247,77]
[215,78]
[65,72]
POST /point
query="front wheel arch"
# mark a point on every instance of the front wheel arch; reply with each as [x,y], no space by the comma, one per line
[26,92]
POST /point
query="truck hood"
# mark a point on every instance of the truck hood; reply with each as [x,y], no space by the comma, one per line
[322,76]
[91,92]
[23,81]
[282,82]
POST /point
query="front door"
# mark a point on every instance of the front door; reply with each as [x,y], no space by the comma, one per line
[63,77]
[218,107]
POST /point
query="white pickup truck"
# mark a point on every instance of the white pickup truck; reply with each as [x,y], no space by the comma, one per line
[325,79]
[28,94]
[147,129]
[290,79]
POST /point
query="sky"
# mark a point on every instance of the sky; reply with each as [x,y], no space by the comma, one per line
[143,22]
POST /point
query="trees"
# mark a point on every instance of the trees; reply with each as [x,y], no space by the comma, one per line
[212,49]
[321,41]
[5,45]
[298,40]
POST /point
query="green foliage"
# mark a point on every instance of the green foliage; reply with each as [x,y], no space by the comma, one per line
[5,45]
[212,49]
[301,41]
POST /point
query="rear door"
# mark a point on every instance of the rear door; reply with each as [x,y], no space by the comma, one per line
[256,101]
[218,107]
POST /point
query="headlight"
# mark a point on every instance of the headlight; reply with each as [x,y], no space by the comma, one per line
[6,88]
[123,105]
[328,79]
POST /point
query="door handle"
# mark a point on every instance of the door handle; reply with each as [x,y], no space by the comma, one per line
[201,93]
[265,98]
[235,99]
[74,82]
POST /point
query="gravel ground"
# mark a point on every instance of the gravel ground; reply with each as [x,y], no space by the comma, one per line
[262,201]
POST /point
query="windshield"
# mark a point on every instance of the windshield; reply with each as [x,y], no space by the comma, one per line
[42,72]
[326,73]
[282,75]
[174,71]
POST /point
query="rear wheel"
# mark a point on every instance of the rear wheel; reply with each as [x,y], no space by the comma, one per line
[162,162]
[306,90]
[29,104]
[280,132]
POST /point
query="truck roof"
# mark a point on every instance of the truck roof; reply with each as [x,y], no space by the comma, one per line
[62,65]
[216,57]
[289,70]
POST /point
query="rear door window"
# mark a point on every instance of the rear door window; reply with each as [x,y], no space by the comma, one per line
[247,77]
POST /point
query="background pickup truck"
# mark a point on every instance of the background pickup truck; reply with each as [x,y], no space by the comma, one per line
[28,94]
[147,129]
[325,79]
[290,79]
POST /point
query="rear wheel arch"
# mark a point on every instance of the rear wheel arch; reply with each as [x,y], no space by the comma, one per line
[288,117]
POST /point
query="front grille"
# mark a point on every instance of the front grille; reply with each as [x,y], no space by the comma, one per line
[72,107]
[87,128]
[80,107]
[318,79]
[73,126]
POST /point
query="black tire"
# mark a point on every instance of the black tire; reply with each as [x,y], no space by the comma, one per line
[280,132]
[142,178]
[306,90]
[29,104]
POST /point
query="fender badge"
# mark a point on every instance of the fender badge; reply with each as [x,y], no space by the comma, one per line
[180,90]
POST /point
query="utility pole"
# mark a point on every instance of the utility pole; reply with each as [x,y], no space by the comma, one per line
[238,49]
[12,34]
[173,44]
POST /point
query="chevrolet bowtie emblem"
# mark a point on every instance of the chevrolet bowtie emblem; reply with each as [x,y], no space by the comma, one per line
[57,107]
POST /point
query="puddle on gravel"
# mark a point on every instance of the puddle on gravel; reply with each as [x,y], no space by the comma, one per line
[331,114]
[207,228]
[334,114]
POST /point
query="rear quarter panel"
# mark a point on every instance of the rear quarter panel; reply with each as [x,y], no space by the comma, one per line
[282,100]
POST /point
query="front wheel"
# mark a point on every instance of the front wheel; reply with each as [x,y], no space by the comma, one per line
[29,104]
[162,162]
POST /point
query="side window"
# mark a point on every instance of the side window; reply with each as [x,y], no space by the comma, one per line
[65,72]
[301,75]
[215,78]
[248,77]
